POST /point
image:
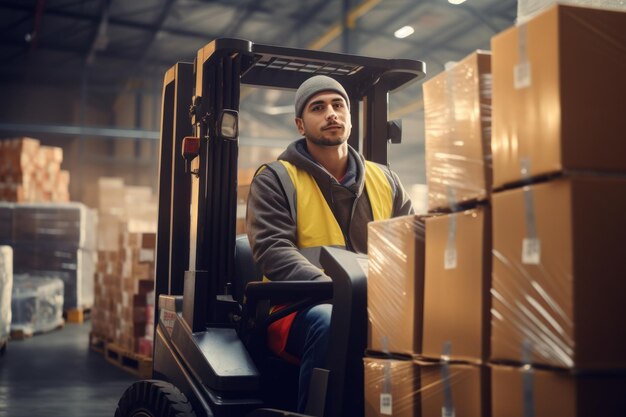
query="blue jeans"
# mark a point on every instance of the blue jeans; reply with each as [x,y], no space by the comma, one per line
[308,340]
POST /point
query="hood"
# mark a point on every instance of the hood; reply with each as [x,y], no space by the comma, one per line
[296,154]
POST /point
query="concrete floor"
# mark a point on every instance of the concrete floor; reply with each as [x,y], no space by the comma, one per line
[56,375]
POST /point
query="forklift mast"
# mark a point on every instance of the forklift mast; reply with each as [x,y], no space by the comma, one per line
[198,192]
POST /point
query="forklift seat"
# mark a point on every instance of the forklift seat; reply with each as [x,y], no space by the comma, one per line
[246,269]
[279,378]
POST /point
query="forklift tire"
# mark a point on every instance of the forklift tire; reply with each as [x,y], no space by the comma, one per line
[153,398]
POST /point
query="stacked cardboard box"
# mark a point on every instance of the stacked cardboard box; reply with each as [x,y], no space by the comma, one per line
[409,388]
[558,223]
[146,342]
[137,280]
[457,271]
[457,121]
[429,276]
[527,9]
[30,172]
[400,380]
[126,266]
[107,295]
[54,239]
[36,304]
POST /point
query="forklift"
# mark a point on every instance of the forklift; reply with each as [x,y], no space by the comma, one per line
[212,310]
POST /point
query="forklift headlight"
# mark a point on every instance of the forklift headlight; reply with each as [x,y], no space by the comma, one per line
[228,125]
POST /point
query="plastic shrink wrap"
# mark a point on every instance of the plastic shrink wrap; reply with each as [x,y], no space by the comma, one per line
[457,121]
[395,284]
[54,239]
[527,9]
[558,274]
[410,388]
[557,315]
[457,281]
[559,95]
[6,287]
[36,304]
[428,285]
[521,391]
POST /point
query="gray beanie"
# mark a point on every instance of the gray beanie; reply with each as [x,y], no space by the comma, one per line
[316,85]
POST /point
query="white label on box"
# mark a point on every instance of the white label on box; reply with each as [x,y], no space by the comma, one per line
[531,251]
[522,77]
[450,258]
[146,255]
[386,404]
[447,412]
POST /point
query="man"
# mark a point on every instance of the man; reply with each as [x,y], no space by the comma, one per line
[337,193]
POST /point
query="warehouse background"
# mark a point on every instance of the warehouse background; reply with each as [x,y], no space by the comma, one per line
[85,78]
[488,304]
[87,75]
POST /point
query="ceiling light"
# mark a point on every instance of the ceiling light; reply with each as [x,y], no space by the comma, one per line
[403,32]
[456,1]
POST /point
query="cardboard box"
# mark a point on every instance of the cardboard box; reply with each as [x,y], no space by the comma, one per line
[457,119]
[456,286]
[454,389]
[559,94]
[405,388]
[520,392]
[395,284]
[526,9]
[391,387]
[558,273]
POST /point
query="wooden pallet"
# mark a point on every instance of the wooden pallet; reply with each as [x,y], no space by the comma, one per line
[77,315]
[21,334]
[97,343]
[138,365]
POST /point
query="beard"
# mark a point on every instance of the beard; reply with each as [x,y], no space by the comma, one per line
[328,137]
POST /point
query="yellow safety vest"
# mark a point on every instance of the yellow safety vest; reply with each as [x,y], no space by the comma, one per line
[316,224]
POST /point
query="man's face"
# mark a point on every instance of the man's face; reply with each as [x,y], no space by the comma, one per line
[325,119]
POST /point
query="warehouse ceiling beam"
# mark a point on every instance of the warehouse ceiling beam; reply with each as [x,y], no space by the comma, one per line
[428,50]
[60,47]
[242,17]
[99,39]
[349,22]
[308,17]
[479,16]
[84,131]
[380,32]
[34,35]
[270,13]
[113,21]
[87,132]
[156,28]
[347,33]
[299,20]
[9,29]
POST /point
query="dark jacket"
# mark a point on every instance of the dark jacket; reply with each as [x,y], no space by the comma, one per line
[272,231]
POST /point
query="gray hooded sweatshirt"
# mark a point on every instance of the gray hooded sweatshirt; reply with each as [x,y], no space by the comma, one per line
[272,231]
